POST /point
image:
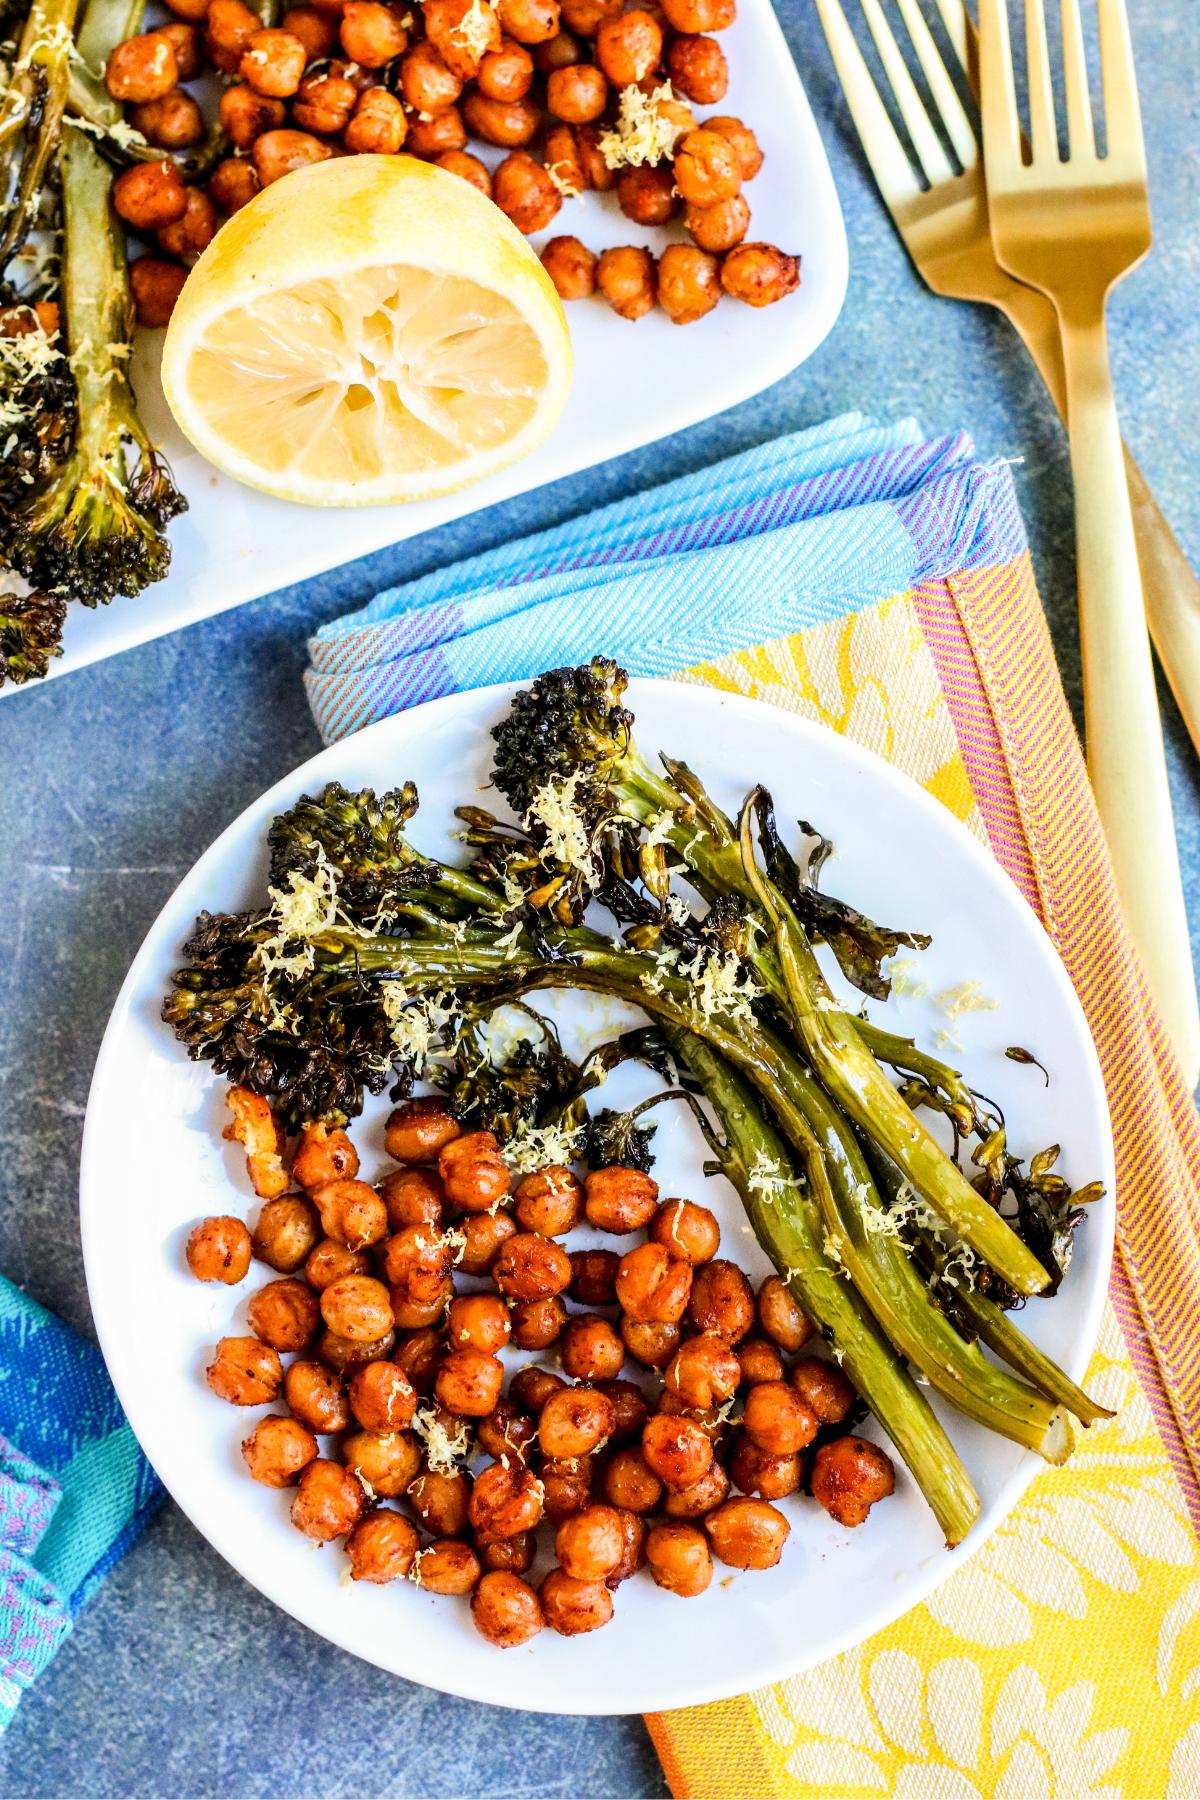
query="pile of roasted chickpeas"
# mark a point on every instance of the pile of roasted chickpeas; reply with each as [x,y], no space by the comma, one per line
[398,1370]
[542,80]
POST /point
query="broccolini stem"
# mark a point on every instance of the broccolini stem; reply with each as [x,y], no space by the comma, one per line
[791,1233]
[33,104]
[1001,1335]
[96,295]
[902,1054]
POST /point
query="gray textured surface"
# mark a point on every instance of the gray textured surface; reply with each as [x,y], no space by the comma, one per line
[179,1678]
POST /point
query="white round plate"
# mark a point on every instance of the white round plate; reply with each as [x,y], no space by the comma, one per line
[154,1162]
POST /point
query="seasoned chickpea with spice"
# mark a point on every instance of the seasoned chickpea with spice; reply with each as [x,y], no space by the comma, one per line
[696,1501]
[188,236]
[742,142]
[531,1388]
[571,1606]
[514,1553]
[630,1482]
[324,1152]
[378,127]
[371,34]
[285,1314]
[849,1476]
[232,185]
[759,1360]
[525,192]
[718,228]
[486,1235]
[469,1382]
[357,1307]
[446,1566]
[549,1202]
[721,1301]
[316,30]
[156,286]
[329,1502]
[781,1315]
[478,1322]
[184,39]
[563,156]
[693,16]
[506,123]
[589,1544]
[245,114]
[343,1353]
[567,1486]
[688,1231]
[245,1372]
[577,94]
[506,1432]
[706,168]
[463,50]
[747,1534]
[697,69]
[529,21]
[507,73]
[596,171]
[677,1556]
[823,1389]
[536,1324]
[419,1131]
[467,168]
[418,1355]
[756,1471]
[505,1500]
[647,195]
[633,1551]
[591,1349]
[287,1232]
[622,1200]
[382,1547]
[387,1462]
[316,1396]
[574,1421]
[351,1212]
[219,1250]
[650,1342]
[558,52]
[629,46]
[280,153]
[142,68]
[676,1449]
[703,1372]
[594,1276]
[689,283]
[777,1419]
[760,274]
[277,1450]
[585,17]
[228,29]
[150,195]
[329,1261]
[474,1174]
[505,1609]
[441,1498]
[273,63]
[629,1406]
[532,1267]
[172,122]
[653,1286]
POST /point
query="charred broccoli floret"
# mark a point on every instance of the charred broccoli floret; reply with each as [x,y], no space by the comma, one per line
[30,634]
[37,403]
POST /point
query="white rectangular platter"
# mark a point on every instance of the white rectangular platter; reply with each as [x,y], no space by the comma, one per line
[633,382]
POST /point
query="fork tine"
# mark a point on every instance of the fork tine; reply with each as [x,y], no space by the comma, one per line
[960,29]
[930,155]
[1122,112]
[954,115]
[884,151]
[1043,132]
[1081,138]
[998,93]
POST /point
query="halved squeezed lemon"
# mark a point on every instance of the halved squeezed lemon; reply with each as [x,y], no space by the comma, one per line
[367,330]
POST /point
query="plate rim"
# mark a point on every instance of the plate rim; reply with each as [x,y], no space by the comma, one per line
[938,1568]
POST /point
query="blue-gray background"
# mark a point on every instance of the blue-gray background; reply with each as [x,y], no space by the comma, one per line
[179,1678]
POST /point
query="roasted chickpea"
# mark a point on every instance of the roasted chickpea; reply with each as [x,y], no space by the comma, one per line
[688,1231]
[585,17]
[469,1382]
[508,123]
[378,127]
[505,1609]
[514,1553]
[418,1355]
[571,266]
[567,1486]
[630,1482]
[277,1450]
[741,140]
[507,73]
[706,169]
[446,1567]
[419,1131]
[416,1315]
[276,154]
[506,1499]
[316,1396]
[575,1421]
[429,87]
[678,1558]
[536,1324]
[463,51]
[467,168]
[689,283]
[531,1267]
[676,1449]
[698,69]
[692,16]
[652,1286]
[156,287]
[228,28]
[780,1315]
[631,1409]
[718,228]
[529,21]
[703,1372]
[532,1387]
[342,1353]
[696,1501]
[317,31]
[142,68]
[647,195]
[506,1432]
[329,1501]
[150,195]
[629,47]
[411,1196]
[823,1389]
[597,173]
[185,41]
[219,1250]
[777,1419]
[351,1212]
[194,10]
[233,184]
[594,1277]
[245,1372]
[478,1321]
[650,1343]
[329,1261]
[371,34]
[486,1235]
[849,1476]
[622,1200]
[273,63]
[759,1361]
[712,1421]
[194,232]
[382,1547]
[591,1349]
[357,1307]
[578,93]
[473,1172]
[571,1606]
[549,1202]
[633,1552]
[441,1501]
[245,115]
[287,1232]
[561,51]
[386,1462]
[589,1543]
[747,1534]
[721,1301]
[756,1471]
[172,122]
[285,1314]
[324,1152]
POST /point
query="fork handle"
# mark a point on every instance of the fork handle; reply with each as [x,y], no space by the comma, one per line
[1124,732]
[1169,585]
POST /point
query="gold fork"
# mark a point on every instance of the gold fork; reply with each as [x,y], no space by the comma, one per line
[946,230]
[1071,228]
